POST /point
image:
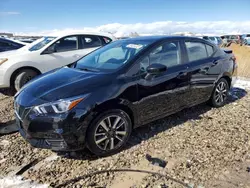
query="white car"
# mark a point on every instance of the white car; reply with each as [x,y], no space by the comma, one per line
[19,66]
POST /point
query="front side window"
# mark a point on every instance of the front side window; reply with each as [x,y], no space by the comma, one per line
[112,56]
[66,44]
[196,51]
[43,42]
[91,41]
[167,54]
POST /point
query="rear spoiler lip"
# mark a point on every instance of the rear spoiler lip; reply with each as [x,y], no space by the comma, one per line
[227,51]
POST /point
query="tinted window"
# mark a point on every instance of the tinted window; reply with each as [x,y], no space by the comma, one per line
[196,51]
[91,41]
[167,54]
[107,40]
[247,35]
[212,38]
[66,44]
[210,50]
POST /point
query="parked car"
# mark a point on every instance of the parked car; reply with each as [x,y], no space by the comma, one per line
[8,44]
[232,38]
[98,100]
[20,66]
[246,39]
[213,39]
[27,40]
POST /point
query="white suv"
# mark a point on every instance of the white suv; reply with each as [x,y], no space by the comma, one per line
[19,66]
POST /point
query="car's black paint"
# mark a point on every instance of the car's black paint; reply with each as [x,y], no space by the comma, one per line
[145,97]
[7,45]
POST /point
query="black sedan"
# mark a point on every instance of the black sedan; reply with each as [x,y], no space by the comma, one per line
[7,45]
[98,100]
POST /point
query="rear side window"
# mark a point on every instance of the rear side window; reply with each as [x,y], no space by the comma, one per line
[91,41]
[196,51]
[210,50]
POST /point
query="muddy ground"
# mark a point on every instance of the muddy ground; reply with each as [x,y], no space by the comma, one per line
[202,146]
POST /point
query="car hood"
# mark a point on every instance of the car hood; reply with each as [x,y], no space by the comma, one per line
[60,84]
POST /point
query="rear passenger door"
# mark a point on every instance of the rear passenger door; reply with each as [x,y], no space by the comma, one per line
[89,43]
[204,69]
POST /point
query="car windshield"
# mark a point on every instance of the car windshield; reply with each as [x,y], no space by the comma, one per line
[42,43]
[112,56]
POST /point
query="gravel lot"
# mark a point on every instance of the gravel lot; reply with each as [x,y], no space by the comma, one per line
[202,146]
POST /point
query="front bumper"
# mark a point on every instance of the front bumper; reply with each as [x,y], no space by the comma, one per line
[3,81]
[56,132]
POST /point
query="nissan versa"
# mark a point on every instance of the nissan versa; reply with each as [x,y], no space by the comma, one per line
[98,100]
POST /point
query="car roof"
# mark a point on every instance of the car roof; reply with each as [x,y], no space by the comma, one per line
[82,33]
[158,38]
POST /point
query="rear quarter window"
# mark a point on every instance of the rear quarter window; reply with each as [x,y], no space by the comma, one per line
[210,50]
[106,40]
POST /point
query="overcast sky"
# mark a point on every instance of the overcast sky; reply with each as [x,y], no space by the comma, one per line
[124,16]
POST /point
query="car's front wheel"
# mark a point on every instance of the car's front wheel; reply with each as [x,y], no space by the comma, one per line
[220,93]
[23,77]
[109,132]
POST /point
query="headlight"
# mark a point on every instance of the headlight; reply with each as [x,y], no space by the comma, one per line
[58,107]
[2,60]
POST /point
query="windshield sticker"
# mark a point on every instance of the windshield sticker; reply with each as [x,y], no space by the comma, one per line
[135,46]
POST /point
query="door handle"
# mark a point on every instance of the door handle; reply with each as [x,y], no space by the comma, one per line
[182,75]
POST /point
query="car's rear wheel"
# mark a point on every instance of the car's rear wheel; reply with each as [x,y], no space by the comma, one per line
[109,132]
[220,93]
[23,77]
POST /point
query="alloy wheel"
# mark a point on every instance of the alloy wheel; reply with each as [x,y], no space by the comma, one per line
[221,93]
[110,132]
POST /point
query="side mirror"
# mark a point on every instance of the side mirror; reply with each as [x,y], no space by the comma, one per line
[156,68]
[50,50]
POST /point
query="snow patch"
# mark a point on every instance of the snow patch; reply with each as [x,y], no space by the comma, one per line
[18,182]
[243,84]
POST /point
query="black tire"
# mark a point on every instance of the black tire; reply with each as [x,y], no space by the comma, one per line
[220,93]
[23,77]
[95,128]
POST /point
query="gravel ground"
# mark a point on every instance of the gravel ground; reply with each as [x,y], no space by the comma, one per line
[202,146]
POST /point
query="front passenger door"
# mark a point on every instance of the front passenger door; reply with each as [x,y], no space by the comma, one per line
[65,52]
[165,93]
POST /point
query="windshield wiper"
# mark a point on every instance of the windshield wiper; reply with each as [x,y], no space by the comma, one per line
[89,70]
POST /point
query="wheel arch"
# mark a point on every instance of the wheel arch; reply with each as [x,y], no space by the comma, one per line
[14,74]
[116,104]
[228,78]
